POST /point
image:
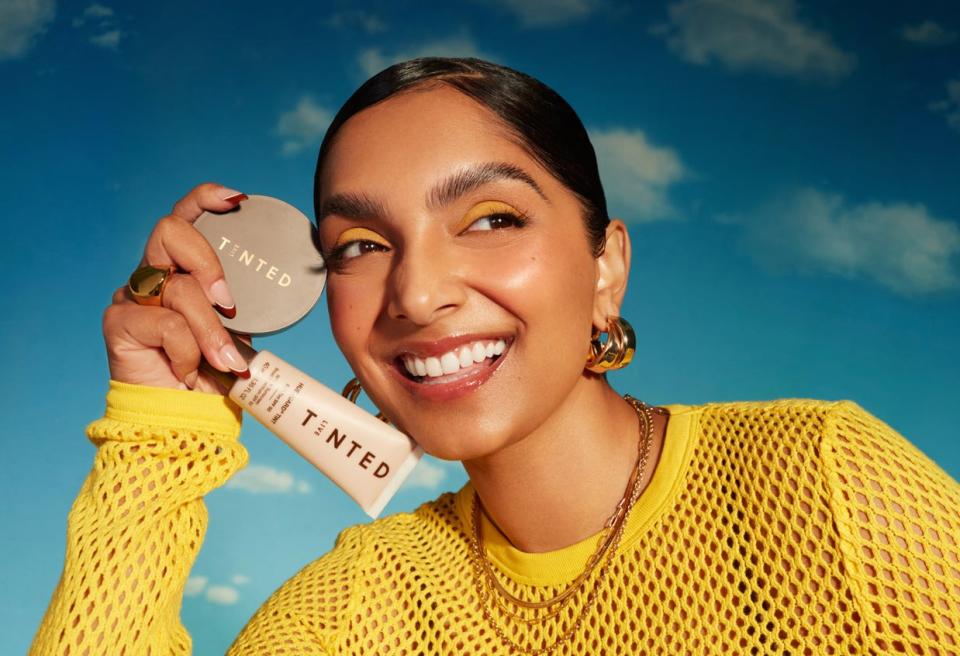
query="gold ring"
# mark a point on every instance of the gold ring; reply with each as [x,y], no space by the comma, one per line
[146,284]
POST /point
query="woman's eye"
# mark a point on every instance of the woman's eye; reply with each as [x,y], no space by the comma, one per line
[495,222]
[356,248]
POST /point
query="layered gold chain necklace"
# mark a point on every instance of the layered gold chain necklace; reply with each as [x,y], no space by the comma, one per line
[491,591]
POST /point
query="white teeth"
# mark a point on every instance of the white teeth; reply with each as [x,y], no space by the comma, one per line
[479,352]
[450,363]
[453,361]
[433,367]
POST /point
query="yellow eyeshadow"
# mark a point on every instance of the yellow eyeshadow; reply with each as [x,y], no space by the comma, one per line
[354,234]
[486,208]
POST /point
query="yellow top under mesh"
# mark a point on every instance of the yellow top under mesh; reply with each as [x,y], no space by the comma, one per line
[784,527]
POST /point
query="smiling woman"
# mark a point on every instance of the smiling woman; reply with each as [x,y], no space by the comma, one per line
[475,285]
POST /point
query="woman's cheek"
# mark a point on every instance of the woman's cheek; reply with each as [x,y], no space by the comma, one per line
[353,303]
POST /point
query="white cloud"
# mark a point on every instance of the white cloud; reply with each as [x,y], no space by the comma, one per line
[897,245]
[426,474]
[374,60]
[369,23]
[93,12]
[261,479]
[928,33]
[950,107]
[636,174]
[223,595]
[303,126]
[108,40]
[548,13]
[240,579]
[753,35]
[195,585]
[21,21]
[97,11]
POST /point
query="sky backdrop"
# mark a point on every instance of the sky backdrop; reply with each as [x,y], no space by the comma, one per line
[788,169]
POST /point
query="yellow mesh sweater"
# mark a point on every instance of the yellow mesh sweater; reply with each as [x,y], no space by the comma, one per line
[785,527]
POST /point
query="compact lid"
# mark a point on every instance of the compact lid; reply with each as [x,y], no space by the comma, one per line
[271,261]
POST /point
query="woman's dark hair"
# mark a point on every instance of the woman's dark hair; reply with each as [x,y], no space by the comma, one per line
[541,121]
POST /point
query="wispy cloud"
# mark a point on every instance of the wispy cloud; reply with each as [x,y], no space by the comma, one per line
[374,60]
[101,20]
[261,479]
[950,106]
[766,36]
[20,23]
[222,595]
[897,245]
[303,126]
[928,33]
[548,13]
[427,474]
[109,39]
[195,586]
[357,18]
[94,11]
[636,174]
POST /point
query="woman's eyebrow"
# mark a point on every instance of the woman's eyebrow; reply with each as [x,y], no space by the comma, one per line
[466,180]
[361,206]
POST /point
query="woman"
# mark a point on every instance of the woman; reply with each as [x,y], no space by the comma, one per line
[460,213]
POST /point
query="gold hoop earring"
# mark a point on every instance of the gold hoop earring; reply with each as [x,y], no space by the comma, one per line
[352,390]
[614,352]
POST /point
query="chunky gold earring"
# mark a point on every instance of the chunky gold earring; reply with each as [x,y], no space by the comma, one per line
[352,391]
[614,352]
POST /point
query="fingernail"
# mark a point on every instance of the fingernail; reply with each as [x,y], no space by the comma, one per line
[190,380]
[223,299]
[232,195]
[230,356]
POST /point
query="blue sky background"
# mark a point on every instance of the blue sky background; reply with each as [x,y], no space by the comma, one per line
[789,171]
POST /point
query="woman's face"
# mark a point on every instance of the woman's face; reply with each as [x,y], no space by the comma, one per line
[447,243]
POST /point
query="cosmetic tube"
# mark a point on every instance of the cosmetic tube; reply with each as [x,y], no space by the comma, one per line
[366,457]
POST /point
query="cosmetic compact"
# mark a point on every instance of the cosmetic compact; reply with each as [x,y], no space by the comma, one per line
[271,261]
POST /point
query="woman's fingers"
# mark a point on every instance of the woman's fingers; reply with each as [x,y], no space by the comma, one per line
[174,241]
[154,327]
[204,197]
[184,296]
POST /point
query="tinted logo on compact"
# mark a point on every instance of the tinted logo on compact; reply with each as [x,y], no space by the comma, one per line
[232,249]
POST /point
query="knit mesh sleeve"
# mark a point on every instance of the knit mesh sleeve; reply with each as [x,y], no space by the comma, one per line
[308,613]
[898,514]
[139,519]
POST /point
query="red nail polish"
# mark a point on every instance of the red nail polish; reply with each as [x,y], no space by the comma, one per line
[236,198]
[229,313]
[243,374]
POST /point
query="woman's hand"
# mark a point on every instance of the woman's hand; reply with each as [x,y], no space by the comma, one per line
[162,345]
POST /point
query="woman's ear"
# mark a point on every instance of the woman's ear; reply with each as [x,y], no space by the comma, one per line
[613,269]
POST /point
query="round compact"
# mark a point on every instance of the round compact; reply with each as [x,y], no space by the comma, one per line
[271,261]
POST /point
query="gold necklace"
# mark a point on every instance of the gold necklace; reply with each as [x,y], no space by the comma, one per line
[489,586]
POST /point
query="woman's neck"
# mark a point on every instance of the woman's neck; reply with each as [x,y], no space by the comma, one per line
[558,485]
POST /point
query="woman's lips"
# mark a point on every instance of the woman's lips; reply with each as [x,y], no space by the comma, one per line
[456,377]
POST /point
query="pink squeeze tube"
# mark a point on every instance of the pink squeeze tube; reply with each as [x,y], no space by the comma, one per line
[367,458]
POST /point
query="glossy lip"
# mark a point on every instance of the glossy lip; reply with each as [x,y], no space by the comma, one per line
[454,389]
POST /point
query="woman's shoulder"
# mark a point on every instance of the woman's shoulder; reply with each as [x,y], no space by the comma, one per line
[785,411]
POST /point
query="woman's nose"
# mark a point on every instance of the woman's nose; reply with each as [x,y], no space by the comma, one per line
[424,286]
